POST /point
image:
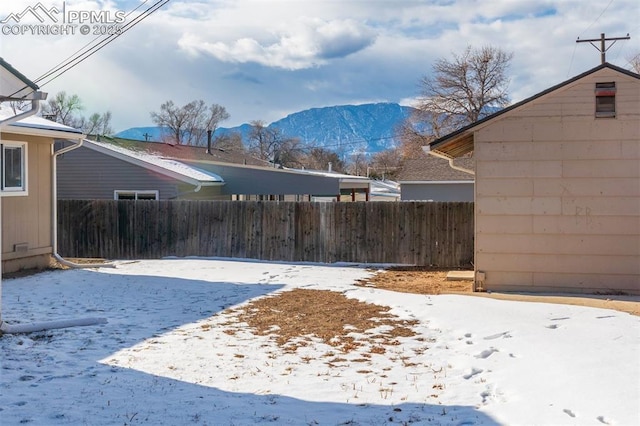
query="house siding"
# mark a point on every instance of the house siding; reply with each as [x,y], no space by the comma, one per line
[558,192]
[436,191]
[27,219]
[87,174]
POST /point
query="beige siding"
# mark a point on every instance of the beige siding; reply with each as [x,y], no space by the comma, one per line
[558,192]
[27,219]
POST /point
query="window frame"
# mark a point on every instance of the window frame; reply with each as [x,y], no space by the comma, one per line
[136,194]
[23,189]
[605,99]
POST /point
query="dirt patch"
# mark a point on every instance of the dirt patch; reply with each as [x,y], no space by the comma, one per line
[422,280]
[414,279]
[295,317]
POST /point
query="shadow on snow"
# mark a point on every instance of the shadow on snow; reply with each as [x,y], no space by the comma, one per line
[55,377]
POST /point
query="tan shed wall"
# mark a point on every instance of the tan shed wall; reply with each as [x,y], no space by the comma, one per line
[27,219]
[558,193]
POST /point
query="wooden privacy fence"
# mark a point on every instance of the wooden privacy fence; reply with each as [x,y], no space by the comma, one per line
[421,233]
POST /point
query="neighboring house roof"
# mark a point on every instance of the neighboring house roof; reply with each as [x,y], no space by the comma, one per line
[344,178]
[385,188]
[38,126]
[16,85]
[198,154]
[188,152]
[460,142]
[167,167]
[428,168]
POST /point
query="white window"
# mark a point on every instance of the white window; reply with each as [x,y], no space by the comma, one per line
[13,163]
[135,195]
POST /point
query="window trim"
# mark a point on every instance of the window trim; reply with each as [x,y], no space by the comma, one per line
[605,91]
[15,191]
[136,193]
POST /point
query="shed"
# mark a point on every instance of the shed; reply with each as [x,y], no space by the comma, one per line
[557,193]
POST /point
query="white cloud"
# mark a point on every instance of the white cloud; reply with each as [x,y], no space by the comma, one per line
[260,58]
[309,43]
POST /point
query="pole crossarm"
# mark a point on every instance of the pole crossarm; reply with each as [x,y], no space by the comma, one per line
[603,48]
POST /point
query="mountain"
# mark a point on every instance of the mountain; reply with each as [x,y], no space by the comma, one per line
[342,128]
[370,127]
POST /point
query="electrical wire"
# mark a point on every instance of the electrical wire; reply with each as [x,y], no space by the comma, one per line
[70,57]
[77,59]
[584,31]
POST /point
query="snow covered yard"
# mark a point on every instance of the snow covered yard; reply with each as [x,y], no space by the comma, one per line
[173,353]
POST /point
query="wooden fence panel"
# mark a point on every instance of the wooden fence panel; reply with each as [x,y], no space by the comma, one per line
[419,233]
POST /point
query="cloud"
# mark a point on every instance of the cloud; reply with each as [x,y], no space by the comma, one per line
[310,43]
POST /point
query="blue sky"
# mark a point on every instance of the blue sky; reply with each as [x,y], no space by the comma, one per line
[264,59]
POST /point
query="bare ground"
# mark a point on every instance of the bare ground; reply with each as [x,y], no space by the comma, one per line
[293,317]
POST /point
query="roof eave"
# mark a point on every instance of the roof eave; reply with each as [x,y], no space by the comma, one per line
[51,133]
[153,167]
[443,145]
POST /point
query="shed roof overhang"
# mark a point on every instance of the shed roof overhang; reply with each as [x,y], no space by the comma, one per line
[453,146]
[461,141]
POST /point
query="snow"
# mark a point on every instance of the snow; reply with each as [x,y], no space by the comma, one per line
[163,357]
[164,163]
[34,121]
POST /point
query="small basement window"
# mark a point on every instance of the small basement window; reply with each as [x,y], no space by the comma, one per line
[13,166]
[605,99]
[135,195]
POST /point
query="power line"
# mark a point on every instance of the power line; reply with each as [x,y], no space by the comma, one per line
[68,58]
[75,60]
[81,58]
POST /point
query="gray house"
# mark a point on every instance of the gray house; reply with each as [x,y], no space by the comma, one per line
[432,179]
[104,171]
[158,171]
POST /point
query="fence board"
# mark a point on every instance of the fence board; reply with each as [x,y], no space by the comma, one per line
[419,233]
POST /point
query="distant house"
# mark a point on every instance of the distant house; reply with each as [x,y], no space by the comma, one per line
[557,193]
[26,185]
[120,169]
[100,170]
[428,178]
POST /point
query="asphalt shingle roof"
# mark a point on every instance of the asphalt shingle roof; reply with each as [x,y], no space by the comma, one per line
[429,168]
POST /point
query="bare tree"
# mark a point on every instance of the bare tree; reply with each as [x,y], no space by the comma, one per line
[412,134]
[229,142]
[96,124]
[188,124]
[460,90]
[17,106]
[359,164]
[385,164]
[63,108]
[271,145]
[634,62]
[320,158]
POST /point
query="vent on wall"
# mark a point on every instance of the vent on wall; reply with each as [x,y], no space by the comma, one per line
[21,247]
[606,99]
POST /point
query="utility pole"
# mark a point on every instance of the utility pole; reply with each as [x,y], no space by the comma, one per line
[603,48]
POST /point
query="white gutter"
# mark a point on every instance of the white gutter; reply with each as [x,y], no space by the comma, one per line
[28,328]
[427,150]
[54,209]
